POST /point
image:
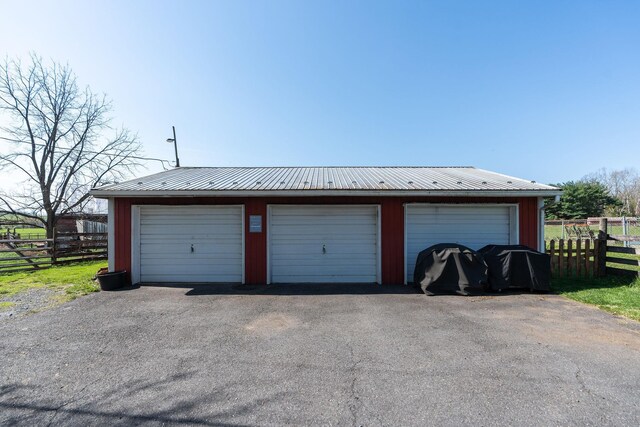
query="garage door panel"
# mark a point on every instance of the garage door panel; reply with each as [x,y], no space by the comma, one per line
[327,279]
[167,234]
[187,278]
[322,210]
[183,243]
[188,239]
[442,237]
[336,271]
[470,225]
[299,252]
[170,252]
[188,268]
[209,229]
[331,245]
[220,258]
[170,263]
[349,235]
[350,256]
[360,227]
[330,242]
[177,224]
[298,259]
[323,216]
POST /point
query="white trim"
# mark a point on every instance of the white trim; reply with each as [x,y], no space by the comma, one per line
[111,236]
[135,244]
[268,224]
[379,245]
[493,204]
[514,222]
[541,243]
[378,231]
[102,194]
[243,245]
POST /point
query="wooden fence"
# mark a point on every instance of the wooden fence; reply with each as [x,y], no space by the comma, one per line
[576,257]
[592,258]
[626,257]
[34,254]
[599,257]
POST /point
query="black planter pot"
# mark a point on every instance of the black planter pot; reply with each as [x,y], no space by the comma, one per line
[113,280]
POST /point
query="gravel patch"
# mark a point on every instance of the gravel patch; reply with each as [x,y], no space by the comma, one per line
[27,302]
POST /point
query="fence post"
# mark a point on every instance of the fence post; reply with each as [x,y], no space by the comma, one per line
[552,254]
[587,258]
[561,258]
[602,229]
[625,230]
[569,258]
[601,252]
[562,229]
[579,257]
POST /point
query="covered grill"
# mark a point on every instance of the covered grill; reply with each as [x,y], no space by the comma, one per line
[449,268]
[517,266]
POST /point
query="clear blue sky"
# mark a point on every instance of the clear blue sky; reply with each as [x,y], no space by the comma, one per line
[544,90]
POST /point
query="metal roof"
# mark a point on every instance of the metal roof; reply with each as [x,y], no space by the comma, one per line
[418,180]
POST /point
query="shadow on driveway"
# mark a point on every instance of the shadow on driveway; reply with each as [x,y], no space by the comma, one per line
[127,403]
[196,289]
[199,289]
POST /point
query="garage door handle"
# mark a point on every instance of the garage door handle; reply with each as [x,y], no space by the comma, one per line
[192,250]
[324,249]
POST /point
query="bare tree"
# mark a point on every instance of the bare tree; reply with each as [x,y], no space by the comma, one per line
[624,185]
[55,140]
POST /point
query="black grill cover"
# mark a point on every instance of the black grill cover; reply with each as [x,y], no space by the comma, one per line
[517,266]
[448,268]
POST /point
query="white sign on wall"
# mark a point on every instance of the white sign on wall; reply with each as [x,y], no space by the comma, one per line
[255,223]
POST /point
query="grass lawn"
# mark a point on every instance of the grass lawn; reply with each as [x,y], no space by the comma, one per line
[612,294]
[625,256]
[5,305]
[555,231]
[30,233]
[71,281]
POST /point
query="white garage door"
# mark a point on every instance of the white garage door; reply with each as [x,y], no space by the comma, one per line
[190,244]
[473,226]
[323,244]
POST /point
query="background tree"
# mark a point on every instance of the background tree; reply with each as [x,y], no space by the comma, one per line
[56,141]
[624,185]
[580,199]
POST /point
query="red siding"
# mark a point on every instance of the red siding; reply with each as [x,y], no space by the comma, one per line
[529,222]
[123,235]
[392,226]
[255,268]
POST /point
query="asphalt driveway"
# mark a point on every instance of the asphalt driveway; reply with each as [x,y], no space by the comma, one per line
[301,355]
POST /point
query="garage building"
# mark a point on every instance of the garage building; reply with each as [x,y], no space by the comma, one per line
[260,225]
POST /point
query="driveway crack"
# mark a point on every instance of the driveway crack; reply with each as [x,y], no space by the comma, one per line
[354,399]
[76,396]
[583,386]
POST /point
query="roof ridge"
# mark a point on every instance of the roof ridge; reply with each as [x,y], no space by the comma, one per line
[337,179]
[326,167]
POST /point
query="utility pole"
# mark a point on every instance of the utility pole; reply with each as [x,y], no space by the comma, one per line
[175,145]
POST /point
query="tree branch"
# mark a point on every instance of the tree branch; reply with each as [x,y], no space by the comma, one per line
[57,132]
